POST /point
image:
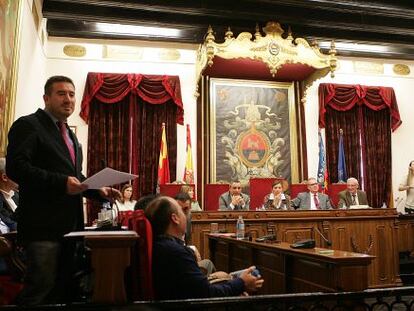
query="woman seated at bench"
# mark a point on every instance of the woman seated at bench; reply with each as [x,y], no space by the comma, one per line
[277,199]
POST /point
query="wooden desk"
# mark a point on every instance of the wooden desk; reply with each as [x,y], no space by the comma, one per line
[288,270]
[369,231]
[111,254]
[406,234]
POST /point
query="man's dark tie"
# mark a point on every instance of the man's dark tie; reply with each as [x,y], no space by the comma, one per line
[353,199]
[316,200]
[64,132]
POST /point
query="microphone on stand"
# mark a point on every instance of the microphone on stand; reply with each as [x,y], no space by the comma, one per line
[270,201]
[115,225]
[117,218]
[328,242]
[269,204]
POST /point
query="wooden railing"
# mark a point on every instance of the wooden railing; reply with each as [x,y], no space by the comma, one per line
[401,298]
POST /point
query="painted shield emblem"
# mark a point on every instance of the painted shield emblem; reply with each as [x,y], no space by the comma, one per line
[253,148]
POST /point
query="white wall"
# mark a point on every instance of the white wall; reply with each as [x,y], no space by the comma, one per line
[402,142]
[35,67]
[78,69]
[31,67]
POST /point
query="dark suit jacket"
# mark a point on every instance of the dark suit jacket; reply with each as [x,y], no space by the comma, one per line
[225,201]
[345,198]
[39,161]
[6,214]
[302,201]
[176,274]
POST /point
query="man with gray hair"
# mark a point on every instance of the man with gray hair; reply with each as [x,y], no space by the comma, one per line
[313,199]
[352,196]
[9,200]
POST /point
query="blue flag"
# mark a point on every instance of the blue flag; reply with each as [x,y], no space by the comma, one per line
[342,175]
[322,172]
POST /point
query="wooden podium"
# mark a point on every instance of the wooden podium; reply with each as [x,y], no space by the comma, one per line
[111,255]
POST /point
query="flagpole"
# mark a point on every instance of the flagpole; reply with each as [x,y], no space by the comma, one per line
[163,164]
[188,170]
[322,175]
[342,174]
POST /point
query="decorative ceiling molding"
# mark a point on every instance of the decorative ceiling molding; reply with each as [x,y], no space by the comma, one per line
[373,22]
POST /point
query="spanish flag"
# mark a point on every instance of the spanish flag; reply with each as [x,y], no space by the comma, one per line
[188,170]
[163,165]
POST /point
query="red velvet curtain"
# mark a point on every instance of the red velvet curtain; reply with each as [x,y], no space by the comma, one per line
[125,113]
[146,135]
[367,114]
[348,122]
[343,97]
[377,141]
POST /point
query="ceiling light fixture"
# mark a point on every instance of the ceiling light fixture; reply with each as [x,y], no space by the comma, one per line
[355,47]
[137,30]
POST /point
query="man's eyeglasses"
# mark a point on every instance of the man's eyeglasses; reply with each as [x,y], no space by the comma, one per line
[314,184]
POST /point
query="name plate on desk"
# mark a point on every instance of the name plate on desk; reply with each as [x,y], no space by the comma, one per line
[359,207]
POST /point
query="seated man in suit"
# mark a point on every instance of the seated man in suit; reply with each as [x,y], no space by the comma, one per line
[352,196]
[176,274]
[234,199]
[9,200]
[184,200]
[312,200]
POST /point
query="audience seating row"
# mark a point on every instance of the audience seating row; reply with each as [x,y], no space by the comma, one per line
[259,187]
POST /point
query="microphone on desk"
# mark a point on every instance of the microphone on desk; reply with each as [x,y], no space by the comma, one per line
[270,201]
[268,204]
[328,242]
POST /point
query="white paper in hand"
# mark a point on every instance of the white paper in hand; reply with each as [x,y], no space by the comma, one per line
[107,177]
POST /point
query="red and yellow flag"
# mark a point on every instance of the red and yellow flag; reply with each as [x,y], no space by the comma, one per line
[188,170]
[163,165]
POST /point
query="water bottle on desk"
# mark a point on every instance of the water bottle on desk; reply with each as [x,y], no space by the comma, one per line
[107,210]
[240,228]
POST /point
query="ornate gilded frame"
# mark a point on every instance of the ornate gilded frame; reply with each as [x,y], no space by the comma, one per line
[10,13]
[252,111]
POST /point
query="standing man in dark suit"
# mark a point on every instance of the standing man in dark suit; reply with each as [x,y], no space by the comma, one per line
[9,200]
[313,199]
[352,196]
[44,157]
[234,199]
